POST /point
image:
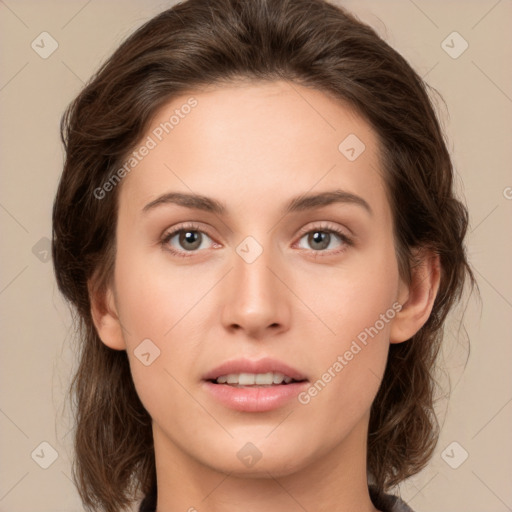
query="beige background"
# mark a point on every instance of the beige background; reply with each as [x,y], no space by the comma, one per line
[36,348]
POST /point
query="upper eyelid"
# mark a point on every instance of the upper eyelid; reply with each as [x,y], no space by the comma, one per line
[195,226]
[190,226]
[323,226]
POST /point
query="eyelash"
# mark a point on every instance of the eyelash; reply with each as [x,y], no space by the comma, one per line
[324,228]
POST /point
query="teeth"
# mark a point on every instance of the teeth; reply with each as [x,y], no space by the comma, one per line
[258,379]
[262,378]
[246,379]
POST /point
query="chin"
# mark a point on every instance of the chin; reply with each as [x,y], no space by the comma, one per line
[248,461]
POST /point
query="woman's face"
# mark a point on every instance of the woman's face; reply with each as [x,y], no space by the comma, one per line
[298,267]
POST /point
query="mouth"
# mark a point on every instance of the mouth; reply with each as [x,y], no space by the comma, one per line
[249,372]
[255,380]
[253,386]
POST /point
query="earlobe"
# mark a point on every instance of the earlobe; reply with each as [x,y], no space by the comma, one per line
[419,295]
[105,318]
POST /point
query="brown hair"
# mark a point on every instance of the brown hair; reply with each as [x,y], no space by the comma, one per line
[199,42]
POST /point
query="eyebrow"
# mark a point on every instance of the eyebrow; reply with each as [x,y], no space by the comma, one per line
[296,204]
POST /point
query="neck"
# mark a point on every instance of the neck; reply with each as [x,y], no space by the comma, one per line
[335,480]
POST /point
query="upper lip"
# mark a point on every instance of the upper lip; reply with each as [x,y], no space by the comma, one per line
[264,365]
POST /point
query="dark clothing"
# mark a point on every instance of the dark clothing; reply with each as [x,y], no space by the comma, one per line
[388,502]
[149,502]
[384,502]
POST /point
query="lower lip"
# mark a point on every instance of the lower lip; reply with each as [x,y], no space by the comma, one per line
[255,399]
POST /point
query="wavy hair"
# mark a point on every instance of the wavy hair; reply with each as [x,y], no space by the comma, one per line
[313,43]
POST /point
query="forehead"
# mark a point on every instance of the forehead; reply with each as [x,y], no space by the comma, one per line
[255,139]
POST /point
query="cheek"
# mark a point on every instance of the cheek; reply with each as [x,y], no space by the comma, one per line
[154,297]
[159,303]
[352,297]
[356,304]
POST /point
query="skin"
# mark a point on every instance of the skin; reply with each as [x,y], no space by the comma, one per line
[254,146]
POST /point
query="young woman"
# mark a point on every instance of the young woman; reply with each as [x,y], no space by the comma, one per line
[257,230]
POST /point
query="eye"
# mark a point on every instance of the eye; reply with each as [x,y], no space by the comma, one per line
[191,238]
[322,237]
[186,238]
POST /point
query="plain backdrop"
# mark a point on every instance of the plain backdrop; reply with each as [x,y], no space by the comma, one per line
[472,466]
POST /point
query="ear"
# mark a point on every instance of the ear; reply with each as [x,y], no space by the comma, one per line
[105,317]
[417,298]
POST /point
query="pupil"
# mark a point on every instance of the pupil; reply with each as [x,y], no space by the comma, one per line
[320,237]
[190,237]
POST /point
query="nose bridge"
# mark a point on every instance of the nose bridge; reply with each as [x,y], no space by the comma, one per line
[256,298]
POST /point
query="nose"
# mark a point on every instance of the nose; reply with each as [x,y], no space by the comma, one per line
[256,297]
